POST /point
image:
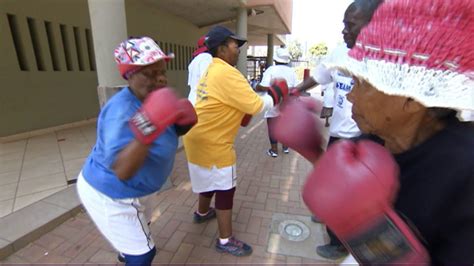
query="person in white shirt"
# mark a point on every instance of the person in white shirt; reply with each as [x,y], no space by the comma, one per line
[198,66]
[281,69]
[342,125]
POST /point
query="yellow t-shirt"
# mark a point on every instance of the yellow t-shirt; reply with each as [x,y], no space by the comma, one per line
[223,98]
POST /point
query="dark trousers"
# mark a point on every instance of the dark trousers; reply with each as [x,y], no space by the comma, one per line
[334,241]
[273,141]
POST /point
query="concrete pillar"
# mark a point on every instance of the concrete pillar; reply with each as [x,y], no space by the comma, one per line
[242,32]
[109,28]
[269,49]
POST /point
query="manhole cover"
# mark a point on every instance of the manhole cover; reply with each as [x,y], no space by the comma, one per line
[293,230]
[295,235]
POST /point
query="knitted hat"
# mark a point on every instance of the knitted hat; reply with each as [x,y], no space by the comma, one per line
[135,53]
[421,49]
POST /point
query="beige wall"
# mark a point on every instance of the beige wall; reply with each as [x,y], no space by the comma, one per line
[284,9]
[41,86]
[174,34]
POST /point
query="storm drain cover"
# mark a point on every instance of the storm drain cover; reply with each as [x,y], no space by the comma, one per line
[293,230]
[296,235]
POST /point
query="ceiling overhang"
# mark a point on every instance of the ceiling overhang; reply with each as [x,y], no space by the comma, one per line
[264,16]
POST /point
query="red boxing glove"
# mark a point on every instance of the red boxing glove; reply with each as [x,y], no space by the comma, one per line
[246,120]
[278,90]
[352,189]
[311,104]
[187,117]
[299,128]
[295,92]
[159,111]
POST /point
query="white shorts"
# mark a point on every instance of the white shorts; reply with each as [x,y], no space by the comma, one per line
[123,222]
[204,179]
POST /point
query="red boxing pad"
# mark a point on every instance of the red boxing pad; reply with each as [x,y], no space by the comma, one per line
[278,90]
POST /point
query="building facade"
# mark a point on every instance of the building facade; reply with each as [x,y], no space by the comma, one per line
[54,51]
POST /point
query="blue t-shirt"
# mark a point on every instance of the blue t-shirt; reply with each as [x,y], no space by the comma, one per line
[113,135]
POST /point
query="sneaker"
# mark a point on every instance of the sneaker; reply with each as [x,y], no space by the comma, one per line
[332,252]
[286,150]
[121,257]
[234,247]
[270,152]
[199,219]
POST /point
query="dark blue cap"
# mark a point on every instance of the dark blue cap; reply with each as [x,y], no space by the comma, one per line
[219,34]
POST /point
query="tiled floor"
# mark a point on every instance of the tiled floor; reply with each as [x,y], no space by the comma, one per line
[37,167]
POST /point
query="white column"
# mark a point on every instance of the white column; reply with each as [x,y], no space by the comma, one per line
[109,28]
[242,32]
[269,49]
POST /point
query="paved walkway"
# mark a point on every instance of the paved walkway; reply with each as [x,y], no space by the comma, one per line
[266,186]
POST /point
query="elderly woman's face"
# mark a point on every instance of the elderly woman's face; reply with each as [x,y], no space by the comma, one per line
[148,79]
[376,112]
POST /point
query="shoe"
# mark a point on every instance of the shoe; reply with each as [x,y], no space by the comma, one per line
[199,219]
[332,252]
[234,247]
[121,257]
[270,152]
[315,219]
[286,150]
